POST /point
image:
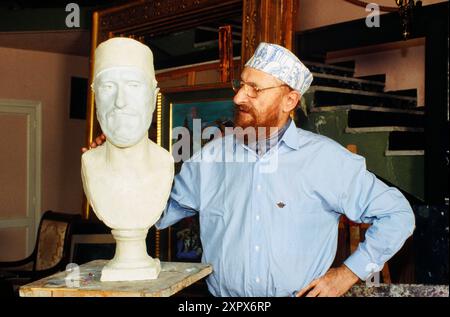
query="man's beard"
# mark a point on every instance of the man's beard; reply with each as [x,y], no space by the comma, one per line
[247,117]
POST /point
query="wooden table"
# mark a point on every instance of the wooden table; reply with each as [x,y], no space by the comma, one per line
[174,277]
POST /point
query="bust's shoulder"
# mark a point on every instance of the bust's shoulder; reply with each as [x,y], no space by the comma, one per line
[160,152]
[94,156]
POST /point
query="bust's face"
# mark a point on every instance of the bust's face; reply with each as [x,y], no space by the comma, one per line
[125,100]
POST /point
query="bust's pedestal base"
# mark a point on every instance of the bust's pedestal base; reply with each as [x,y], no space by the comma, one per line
[131,261]
[111,273]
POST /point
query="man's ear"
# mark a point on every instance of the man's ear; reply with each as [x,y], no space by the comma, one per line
[293,98]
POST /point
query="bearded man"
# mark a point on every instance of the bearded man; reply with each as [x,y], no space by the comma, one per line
[271,194]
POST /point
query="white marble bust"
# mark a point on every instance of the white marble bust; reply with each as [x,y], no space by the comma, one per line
[128,179]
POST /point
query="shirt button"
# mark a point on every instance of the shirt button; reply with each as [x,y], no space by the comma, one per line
[257,280]
[258,187]
[257,217]
[257,248]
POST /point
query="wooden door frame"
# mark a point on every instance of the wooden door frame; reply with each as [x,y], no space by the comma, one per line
[33,112]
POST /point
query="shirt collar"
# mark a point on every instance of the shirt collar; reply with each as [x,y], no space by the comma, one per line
[290,137]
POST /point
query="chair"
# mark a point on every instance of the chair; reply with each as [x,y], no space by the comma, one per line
[50,255]
[91,240]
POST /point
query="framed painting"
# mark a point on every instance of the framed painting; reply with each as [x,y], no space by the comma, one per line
[192,110]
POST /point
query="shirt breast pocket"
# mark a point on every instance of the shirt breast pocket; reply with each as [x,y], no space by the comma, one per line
[292,219]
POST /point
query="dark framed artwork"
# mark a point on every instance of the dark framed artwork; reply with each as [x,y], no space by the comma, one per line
[78,97]
[213,105]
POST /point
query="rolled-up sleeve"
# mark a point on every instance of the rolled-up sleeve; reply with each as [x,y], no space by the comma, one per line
[184,198]
[365,199]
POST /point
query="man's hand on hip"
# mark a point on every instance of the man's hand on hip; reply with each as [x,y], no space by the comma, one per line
[336,282]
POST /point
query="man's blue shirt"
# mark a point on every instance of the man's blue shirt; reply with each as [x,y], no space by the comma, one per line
[269,224]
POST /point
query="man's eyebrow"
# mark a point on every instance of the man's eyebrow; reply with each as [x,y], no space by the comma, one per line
[249,82]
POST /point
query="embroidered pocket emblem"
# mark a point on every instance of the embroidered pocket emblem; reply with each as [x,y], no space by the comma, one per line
[281,204]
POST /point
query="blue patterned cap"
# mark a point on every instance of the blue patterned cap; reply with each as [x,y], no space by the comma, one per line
[281,63]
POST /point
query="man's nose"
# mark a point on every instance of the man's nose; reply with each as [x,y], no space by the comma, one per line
[120,98]
[240,97]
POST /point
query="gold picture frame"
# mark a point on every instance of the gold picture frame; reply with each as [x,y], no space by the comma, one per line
[213,104]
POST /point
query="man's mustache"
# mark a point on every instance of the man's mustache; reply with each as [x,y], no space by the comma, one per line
[244,108]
